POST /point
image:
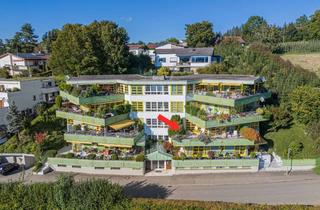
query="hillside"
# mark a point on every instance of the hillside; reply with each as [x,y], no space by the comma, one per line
[309,61]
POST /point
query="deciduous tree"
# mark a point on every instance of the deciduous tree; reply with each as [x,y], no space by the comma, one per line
[200,34]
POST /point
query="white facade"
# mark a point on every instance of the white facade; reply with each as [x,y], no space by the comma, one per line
[16,63]
[25,94]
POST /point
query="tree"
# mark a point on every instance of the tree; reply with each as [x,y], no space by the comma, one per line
[97,48]
[250,133]
[314,26]
[4,73]
[281,117]
[290,33]
[172,40]
[58,101]
[139,64]
[3,47]
[200,34]
[305,104]
[41,108]
[215,68]
[14,119]
[24,40]
[163,71]
[181,130]
[47,39]
[255,28]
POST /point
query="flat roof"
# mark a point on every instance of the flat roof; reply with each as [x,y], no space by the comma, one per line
[208,51]
[19,79]
[135,78]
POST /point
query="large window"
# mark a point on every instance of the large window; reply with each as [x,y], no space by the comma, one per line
[200,59]
[155,123]
[136,90]
[176,90]
[157,106]
[137,106]
[176,106]
[156,90]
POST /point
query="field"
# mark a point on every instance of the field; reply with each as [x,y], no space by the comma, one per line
[310,61]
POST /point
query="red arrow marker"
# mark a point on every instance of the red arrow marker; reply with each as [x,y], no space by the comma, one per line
[172,124]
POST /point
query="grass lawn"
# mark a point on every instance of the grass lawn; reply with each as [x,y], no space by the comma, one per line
[283,137]
[309,61]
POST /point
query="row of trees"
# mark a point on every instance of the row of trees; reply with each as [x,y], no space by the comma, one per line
[257,29]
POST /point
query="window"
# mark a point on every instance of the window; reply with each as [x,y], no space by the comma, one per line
[98,168]
[76,166]
[203,59]
[155,123]
[61,165]
[173,59]
[176,106]
[176,90]
[162,60]
[157,106]
[136,89]
[34,97]
[156,90]
[137,106]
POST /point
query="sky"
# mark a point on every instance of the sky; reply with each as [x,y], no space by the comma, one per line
[147,20]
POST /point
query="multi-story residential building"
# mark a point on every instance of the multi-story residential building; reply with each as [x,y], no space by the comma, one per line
[220,122]
[178,58]
[18,62]
[25,93]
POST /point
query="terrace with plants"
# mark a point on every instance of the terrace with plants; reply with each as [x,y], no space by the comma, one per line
[208,118]
[102,153]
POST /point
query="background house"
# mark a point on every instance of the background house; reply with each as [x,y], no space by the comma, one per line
[16,63]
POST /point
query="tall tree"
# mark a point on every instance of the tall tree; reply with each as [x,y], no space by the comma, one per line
[255,28]
[24,40]
[14,119]
[200,34]
[2,47]
[172,40]
[47,39]
[314,26]
[97,48]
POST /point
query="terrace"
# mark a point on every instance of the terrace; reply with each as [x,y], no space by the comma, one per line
[101,117]
[229,98]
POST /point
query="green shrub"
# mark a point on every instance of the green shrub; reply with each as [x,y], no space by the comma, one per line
[91,156]
[140,157]
[50,153]
[37,166]
[68,155]
[114,157]
[58,101]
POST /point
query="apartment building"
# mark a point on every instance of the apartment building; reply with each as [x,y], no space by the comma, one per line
[25,93]
[18,62]
[115,117]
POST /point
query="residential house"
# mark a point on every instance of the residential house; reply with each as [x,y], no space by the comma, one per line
[18,62]
[26,93]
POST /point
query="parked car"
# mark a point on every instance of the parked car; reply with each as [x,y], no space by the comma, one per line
[6,168]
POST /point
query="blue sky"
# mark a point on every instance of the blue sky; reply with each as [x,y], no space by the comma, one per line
[147,20]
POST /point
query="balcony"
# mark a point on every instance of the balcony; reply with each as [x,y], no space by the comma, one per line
[116,139]
[242,118]
[91,120]
[227,99]
[92,99]
[193,141]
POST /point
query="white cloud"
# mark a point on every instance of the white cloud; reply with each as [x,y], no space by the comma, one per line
[127,19]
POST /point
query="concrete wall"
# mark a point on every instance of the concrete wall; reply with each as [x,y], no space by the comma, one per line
[92,170]
[22,159]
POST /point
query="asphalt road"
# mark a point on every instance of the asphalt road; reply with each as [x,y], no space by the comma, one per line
[266,187]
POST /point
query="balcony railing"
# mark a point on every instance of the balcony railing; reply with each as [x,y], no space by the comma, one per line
[92,99]
[217,142]
[227,100]
[92,120]
[97,163]
[231,121]
[128,139]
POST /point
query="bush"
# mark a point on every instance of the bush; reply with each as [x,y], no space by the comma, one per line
[50,153]
[58,101]
[114,157]
[37,166]
[250,133]
[163,71]
[253,155]
[210,154]
[68,155]
[260,111]
[91,156]
[140,157]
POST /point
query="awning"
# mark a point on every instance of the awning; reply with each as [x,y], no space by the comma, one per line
[122,124]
